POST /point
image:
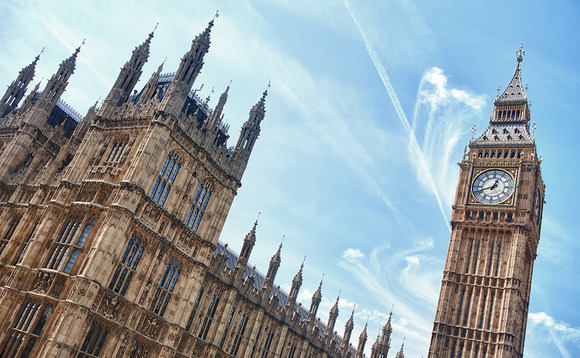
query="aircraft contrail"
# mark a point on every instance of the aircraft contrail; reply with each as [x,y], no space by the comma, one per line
[400,113]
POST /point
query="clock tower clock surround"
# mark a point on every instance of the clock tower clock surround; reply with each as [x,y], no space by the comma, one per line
[483,304]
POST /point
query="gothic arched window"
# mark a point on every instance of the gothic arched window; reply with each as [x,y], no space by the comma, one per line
[26,330]
[8,235]
[199,205]
[166,178]
[117,150]
[70,243]
[127,264]
[166,286]
[94,341]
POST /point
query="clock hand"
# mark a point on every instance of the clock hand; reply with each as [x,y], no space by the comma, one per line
[493,186]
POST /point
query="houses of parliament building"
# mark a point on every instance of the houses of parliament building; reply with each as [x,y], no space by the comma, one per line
[110,228]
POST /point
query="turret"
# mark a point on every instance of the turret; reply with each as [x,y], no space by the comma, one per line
[401,354]
[17,88]
[293,295]
[316,298]
[382,345]
[272,270]
[251,129]
[84,125]
[362,340]
[216,117]
[151,87]
[54,89]
[29,100]
[127,79]
[332,316]
[247,247]
[189,69]
[348,327]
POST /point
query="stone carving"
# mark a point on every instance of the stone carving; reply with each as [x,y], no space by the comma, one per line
[42,284]
[150,327]
[110,307]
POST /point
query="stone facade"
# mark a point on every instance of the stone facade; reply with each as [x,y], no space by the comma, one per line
[483,305]
[109,229]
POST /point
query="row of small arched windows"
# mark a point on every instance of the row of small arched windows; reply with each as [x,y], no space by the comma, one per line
[499,154]
[508,114]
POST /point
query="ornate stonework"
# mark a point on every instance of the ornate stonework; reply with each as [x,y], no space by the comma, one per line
[109,228]
[497,214]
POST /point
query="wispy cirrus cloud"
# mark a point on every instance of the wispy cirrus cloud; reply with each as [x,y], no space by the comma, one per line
[560,333]
[442,118]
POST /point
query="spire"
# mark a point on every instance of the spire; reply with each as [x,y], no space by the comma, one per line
[401,354]
[128,77]
[55,87]
[273,268]
[17,88]
[348,327]
[216,115]
[509,123]
[150,89]
[514,92]
[251,128]
[362,340]
[382,345]
[189,69]
[247,247]
[332,316]
[296,284]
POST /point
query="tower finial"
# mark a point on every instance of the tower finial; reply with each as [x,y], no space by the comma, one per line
[217,14]
[521,53]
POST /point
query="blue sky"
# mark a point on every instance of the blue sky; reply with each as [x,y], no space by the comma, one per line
[371,105]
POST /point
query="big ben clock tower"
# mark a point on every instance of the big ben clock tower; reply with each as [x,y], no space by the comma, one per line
[483,304]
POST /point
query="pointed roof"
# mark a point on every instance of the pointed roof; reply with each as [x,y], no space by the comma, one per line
[514,91]
[401,354]
[29,70]
[204,37]
[72,60]
[146,45]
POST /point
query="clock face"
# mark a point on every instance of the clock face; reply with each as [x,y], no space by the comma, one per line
[493,186]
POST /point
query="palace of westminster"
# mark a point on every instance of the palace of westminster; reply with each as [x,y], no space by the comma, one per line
[110,227]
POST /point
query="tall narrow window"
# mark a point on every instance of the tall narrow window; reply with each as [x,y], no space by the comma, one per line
[467,308]
[239,334]
[460,307]
[117,151]
[497,261]
[490,258]
[6,238]
[195,306]
[228,324]
[94,341]
[490,312]
[199,205]
[22,335]
[17,259]
[166,286]
[267,343]
[70,243]
[482,310]
[469,257]
[165,178]
[256,340]
[127,264]
[211,309]
[476,256]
